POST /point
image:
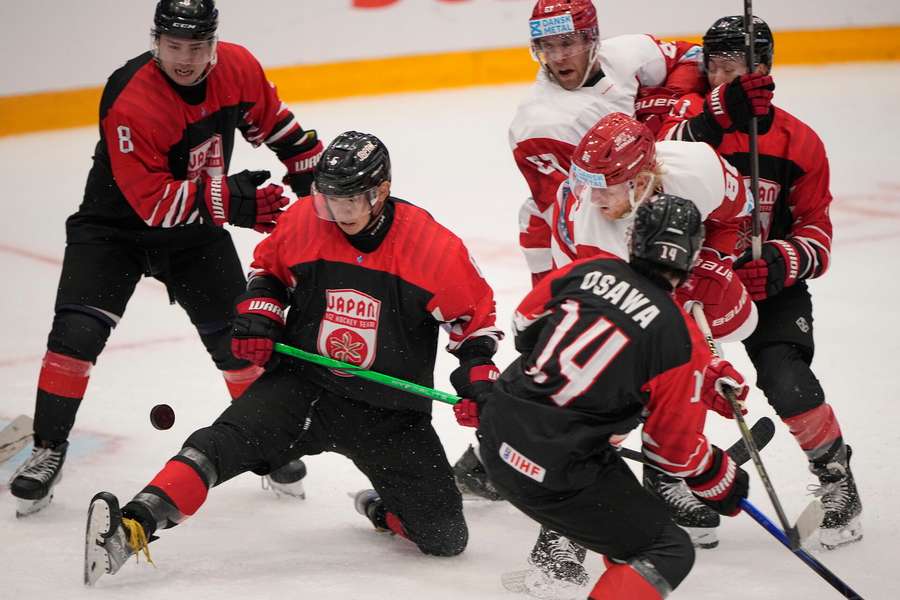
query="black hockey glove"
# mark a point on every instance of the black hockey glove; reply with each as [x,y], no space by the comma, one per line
[729,106]
[473,380]
[238,199]
[258,324]
[779,266]
[722,486]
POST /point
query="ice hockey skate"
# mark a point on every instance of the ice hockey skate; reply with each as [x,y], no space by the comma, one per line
[556,571]
[472,479]
[110,539]
[32,483]
[687,511]
[287,481]
[843,509]
[368,503]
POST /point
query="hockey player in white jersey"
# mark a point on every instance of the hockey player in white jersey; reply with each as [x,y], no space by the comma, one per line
[580,80]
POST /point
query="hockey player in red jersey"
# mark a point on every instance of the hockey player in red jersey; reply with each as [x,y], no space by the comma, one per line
[156,198]
[603,348]
[580,80]
[365,278]
[796,228]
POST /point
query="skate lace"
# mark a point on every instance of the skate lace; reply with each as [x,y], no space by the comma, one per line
[678,495]
[561,549]
[41,465]
[834,496]
[137,539]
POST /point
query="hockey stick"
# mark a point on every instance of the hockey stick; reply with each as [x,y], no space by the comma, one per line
[15,436]
[750,53]
[388,380]
[792,533]
[762,433]
[803,555]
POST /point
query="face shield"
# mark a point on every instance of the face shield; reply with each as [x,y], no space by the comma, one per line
[345,209]
[614,201]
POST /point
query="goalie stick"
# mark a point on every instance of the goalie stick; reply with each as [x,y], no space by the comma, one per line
[15,436]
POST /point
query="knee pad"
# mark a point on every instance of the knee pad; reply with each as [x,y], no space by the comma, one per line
[446,538]
[80,332]
[784,375]
[216,338]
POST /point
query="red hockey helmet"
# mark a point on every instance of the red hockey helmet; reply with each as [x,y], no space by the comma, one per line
[545,12]
[617,147]
[607,163]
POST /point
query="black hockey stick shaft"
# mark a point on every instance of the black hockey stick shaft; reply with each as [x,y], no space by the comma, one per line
[750,52]
[835,581]
[762,431]
[792,533]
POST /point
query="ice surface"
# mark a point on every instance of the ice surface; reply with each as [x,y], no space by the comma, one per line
[450,155]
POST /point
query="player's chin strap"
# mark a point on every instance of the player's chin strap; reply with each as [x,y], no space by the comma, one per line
[592,61]
[633,200]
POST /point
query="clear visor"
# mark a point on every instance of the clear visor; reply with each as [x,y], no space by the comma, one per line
[180,51]
[614,201]
[344,209]
[560,47]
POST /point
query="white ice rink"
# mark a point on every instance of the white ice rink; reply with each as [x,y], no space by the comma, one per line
[450,156]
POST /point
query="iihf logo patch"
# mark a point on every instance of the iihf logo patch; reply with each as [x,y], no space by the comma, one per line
[526,467]
[803,324]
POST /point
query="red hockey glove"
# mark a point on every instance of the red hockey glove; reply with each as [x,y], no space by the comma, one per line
[726,303]
[238,199]
[719,376]
[778,267]
[473,380]
[722,486]
[652,106]
[730,105]
[258,324]
[301,170]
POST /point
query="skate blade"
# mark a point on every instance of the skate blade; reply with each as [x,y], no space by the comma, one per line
[538,584]
[26,508]
[295,490]
[703,537]
[832,539]
[96,560]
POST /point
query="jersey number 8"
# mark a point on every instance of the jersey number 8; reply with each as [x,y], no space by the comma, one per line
[125,144]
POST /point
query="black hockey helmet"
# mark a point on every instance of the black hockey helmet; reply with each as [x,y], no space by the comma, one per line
[352,163]
[191,19]
[667,232]
[726,36]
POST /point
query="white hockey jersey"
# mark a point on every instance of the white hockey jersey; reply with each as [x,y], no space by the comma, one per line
[551,121]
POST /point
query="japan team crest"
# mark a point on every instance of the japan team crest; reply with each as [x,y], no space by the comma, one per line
[208,158]
[349,328]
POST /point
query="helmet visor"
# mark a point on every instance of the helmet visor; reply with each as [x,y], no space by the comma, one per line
[182,51]
[562,46]
[344,209]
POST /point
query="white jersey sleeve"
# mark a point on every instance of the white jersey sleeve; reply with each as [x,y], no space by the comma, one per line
[692,171]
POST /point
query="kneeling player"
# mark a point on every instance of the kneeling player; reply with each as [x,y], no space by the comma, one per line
[604,348]
[368,279]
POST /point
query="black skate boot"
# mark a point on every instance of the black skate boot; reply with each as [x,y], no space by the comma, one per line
[287,480]
[840,499]
[699,520]
[369,504]
[110,539]
[32,483]
[556,569]
[472,479]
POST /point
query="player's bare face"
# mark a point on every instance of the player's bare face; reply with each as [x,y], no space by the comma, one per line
[723,69]
[566,56]
[184,61]
[612,202]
